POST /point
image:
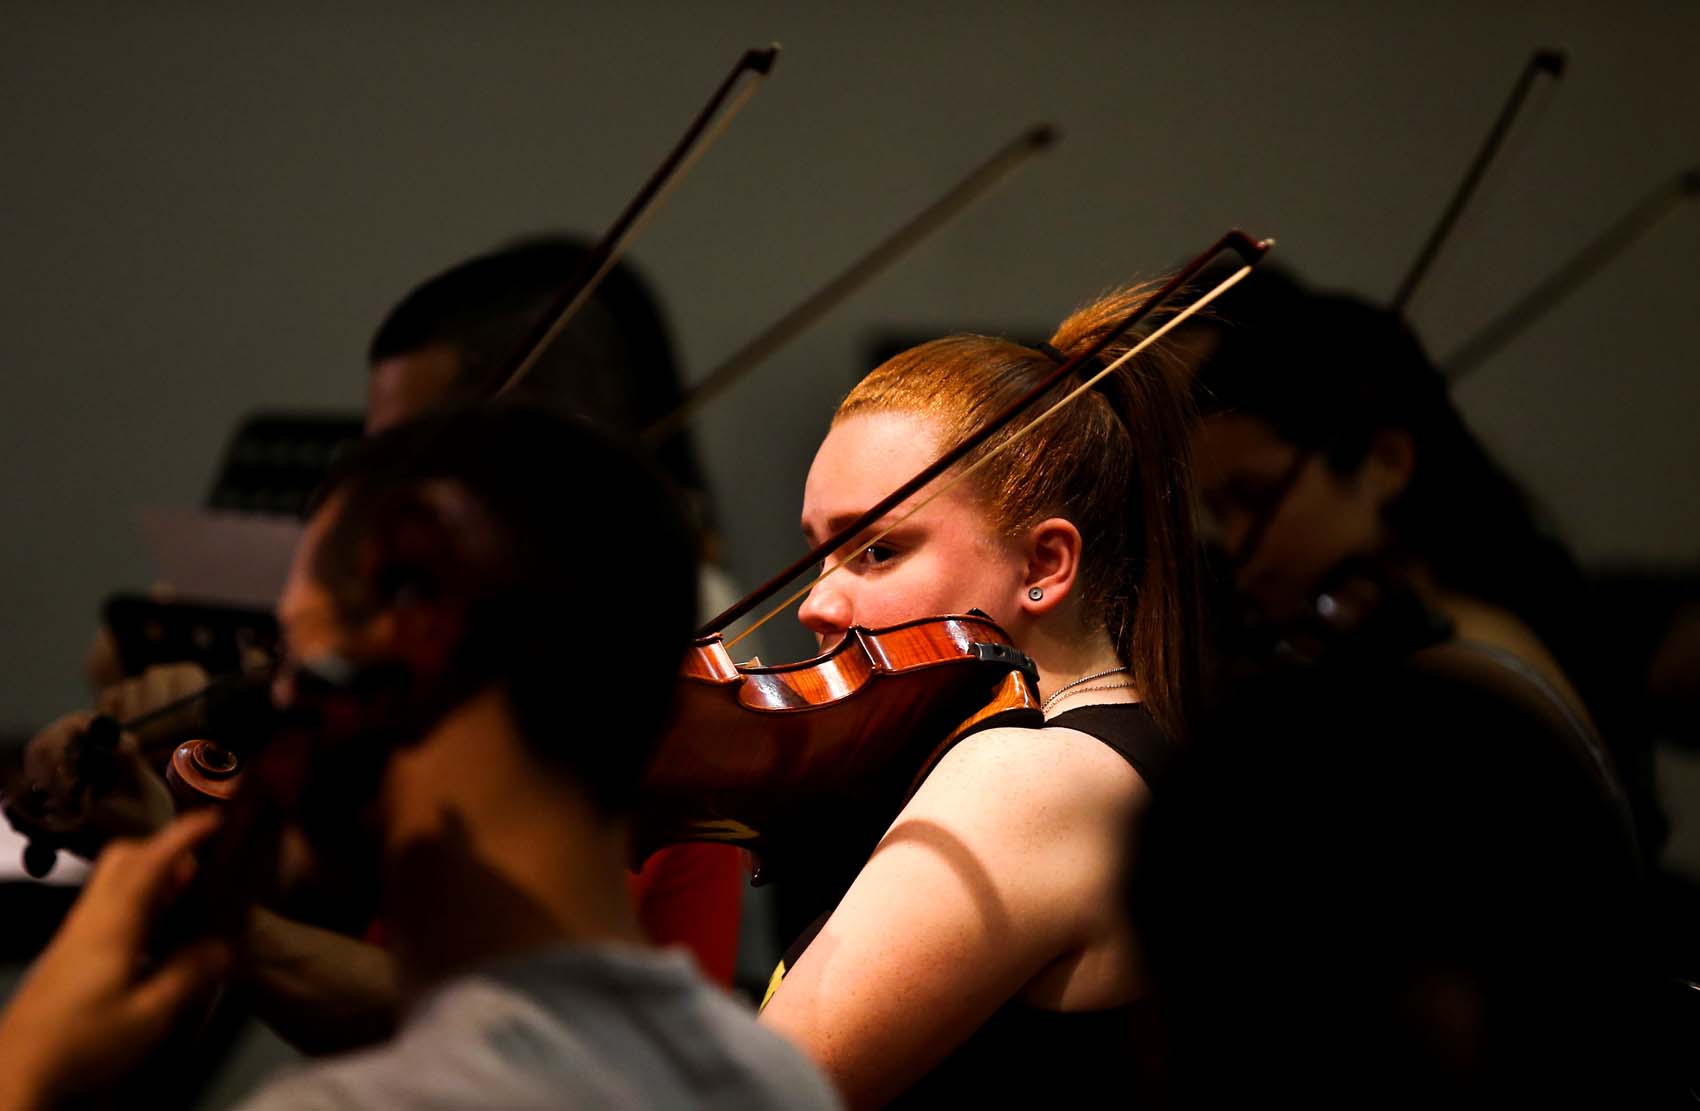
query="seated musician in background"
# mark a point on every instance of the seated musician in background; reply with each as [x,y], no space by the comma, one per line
[981,955]
[1397,869]
[446,580]
[1331,457]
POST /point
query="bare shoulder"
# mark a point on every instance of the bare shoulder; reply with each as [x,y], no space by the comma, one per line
[1041,774]
[1489,624]
[1004,862]
[1484,623]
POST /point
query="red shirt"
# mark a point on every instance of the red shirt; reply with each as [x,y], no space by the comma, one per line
[689,894]
[692,895]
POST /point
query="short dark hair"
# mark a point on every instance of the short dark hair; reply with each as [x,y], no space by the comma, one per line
[614,364]
[582,589]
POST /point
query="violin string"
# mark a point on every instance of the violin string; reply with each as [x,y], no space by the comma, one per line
[962,475]
[978,182]
[618,247]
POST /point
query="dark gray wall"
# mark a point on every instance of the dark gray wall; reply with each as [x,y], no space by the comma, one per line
[204,210]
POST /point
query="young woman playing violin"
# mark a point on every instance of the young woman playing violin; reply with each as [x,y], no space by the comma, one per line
[982,947]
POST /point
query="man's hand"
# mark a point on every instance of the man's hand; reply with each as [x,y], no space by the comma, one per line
[50,798]
[92,1006]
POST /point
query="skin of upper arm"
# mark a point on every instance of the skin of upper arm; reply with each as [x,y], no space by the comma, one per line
[1001,863]
[1487,624]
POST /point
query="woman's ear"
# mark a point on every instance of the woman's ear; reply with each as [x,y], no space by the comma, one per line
[1387,469]
[1051,572]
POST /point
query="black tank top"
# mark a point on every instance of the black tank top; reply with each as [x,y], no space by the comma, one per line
[1028,1056]
[1129,729]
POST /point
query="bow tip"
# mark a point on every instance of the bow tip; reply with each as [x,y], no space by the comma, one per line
[1552,59]
[1041,136]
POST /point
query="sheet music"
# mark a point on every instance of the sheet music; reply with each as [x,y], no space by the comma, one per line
[205,555]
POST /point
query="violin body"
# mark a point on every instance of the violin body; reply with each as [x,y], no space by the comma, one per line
[783,760]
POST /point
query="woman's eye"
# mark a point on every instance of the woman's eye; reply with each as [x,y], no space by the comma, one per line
[876,554]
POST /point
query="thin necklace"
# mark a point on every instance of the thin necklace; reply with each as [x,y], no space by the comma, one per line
[1129,685]
[1066,687]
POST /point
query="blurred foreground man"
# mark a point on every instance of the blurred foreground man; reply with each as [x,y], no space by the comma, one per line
[440,620]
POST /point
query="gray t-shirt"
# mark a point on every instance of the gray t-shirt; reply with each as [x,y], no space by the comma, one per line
[587,1026]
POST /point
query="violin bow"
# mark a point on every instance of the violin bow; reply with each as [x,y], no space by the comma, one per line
[230,682]
[1250,251]
[1584,264]
[1548,62]
[710,123]
[964,193]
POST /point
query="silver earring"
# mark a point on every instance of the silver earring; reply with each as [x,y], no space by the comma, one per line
[1035,594]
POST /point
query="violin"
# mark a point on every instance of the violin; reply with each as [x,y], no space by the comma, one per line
[777,759]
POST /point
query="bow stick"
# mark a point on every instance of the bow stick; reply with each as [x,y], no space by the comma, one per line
[1581,266]
[1548,62]
[889,250]
[698,137]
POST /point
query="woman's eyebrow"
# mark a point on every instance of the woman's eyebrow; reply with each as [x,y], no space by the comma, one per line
[834,524]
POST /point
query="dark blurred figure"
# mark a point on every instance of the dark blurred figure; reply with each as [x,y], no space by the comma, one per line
[451,342]
[454,338]
[431,616]
[1398,867]
[1330,455]
[1392,883]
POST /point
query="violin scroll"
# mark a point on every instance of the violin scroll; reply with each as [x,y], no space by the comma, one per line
[203,772]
